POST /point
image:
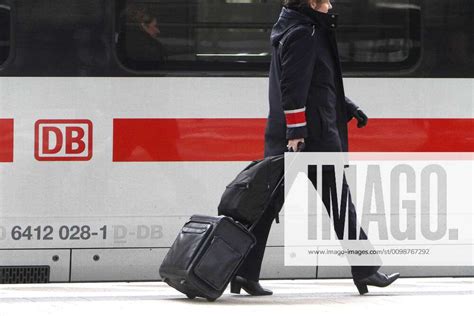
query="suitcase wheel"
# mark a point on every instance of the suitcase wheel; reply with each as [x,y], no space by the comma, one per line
[191,297]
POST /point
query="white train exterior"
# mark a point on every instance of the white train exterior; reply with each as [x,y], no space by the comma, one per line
[159,143]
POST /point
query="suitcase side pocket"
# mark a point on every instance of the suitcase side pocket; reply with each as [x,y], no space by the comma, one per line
[186,246]
[218,264]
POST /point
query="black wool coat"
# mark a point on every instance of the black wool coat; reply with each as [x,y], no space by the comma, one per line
[306,92]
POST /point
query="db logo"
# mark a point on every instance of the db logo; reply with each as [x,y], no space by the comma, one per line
[63,140]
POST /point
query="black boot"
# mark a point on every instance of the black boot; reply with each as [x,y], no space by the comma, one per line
[377,279]
[251,287]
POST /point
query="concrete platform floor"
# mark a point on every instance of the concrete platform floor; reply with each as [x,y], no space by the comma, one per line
[420,297]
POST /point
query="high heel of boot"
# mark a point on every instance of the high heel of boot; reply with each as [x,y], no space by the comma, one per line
[251,287]
[362,288]
[235,287]
[377,279]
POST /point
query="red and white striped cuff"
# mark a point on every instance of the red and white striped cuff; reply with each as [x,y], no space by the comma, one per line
[296,118]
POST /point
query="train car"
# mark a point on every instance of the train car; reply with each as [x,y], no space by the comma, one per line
[119,119]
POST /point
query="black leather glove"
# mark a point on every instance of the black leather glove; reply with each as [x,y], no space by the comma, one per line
[361,118]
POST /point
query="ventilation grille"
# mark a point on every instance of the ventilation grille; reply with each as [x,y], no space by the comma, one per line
[24,274]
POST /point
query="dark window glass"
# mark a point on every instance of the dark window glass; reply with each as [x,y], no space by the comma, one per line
[195,35]
[234,35]
[448,41]
[5,30]
[377,35]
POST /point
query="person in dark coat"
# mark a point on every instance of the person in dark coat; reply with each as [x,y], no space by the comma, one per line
[307,104]
[139,45]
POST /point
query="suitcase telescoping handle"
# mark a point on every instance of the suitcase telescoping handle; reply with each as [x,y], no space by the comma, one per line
[300,147]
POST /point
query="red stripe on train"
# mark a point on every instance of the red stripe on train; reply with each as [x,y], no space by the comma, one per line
[188,139]
[6,140]
[242,139]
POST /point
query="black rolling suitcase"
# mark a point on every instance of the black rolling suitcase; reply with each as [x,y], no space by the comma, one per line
[210,249]
[205,256]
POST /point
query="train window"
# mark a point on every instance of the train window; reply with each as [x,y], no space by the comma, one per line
[377,35]
[234,35]
[5,31]
[448,42]
[195,35]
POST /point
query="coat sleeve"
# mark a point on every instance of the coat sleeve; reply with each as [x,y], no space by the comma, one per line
[297,64]
[351,107]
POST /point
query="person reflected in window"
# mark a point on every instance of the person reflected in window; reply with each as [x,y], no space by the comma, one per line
[140,44]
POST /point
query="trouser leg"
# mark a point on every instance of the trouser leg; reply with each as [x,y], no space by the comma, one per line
[251,267]
[358,272]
